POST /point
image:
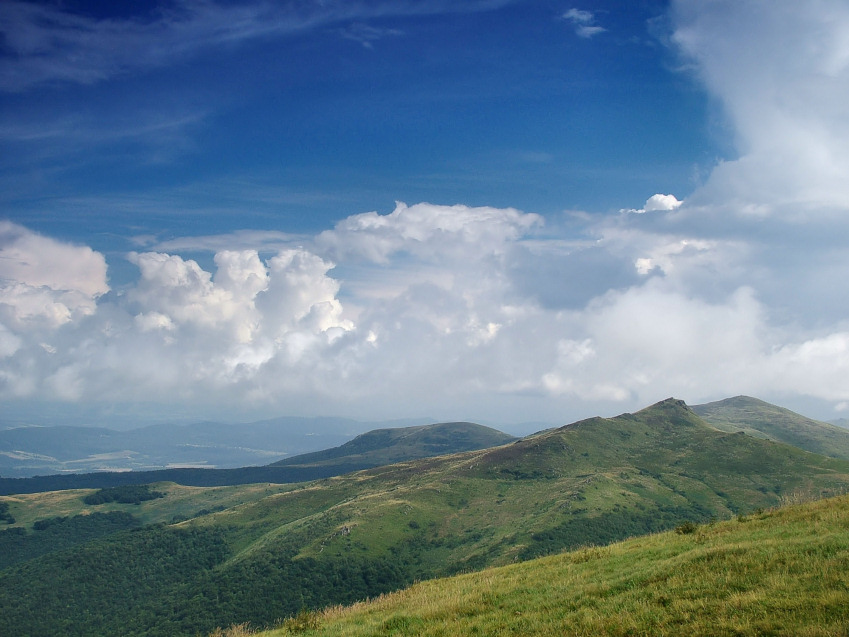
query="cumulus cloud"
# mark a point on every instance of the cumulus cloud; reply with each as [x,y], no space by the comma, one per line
[426,229]
[656,203]
[45,281]
[424,312]
[181,293]
[633,343]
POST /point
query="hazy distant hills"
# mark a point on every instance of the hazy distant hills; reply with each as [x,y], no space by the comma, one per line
[371,449]
[28,451]
[215,454]
[32,450]
[758,418]
[355,536]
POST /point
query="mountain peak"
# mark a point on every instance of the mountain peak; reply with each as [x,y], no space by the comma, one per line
[667,406]
[761,419]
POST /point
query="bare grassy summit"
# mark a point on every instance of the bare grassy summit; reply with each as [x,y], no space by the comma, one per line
[758,418]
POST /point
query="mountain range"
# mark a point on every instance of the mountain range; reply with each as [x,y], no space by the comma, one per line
[758,418]
[371,449]
[33,450]
[211,562]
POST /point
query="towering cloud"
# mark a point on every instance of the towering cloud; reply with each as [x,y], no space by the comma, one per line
[781,72]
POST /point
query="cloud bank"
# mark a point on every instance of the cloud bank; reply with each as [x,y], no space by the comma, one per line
[491,313]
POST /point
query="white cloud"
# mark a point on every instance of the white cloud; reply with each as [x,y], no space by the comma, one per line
[45,281]
[260,240]
[367,34]
[425,229]
[656,203]
[583,22]
[279,333]
[816,367]
[9,343]
[301,294]
[652,340]
[781,72]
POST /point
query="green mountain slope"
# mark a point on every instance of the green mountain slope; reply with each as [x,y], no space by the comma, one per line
[778,573]
[388,446]
[758,418]
[356,536]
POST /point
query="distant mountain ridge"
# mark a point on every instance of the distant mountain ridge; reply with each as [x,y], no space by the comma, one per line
[377,447]
[759,418]
[32,450]
[371,449]
[387,446]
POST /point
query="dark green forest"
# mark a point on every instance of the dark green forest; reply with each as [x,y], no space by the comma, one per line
[168,580]
[5,516]
[131,494]
[163,581]
[58,533]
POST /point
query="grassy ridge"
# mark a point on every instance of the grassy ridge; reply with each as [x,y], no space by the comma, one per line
[387,446]
[784,572]
[758,418]
[371,449]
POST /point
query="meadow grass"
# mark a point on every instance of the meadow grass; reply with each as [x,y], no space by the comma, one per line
[179,501]
[781,572]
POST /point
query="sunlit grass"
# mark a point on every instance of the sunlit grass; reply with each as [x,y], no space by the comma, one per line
[783,572]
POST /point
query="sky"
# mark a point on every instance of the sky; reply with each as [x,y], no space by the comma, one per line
[505,211]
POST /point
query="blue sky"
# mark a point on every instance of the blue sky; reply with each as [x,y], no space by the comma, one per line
[499,210]
[270,126]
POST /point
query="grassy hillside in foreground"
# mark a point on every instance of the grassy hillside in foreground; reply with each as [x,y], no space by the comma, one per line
[784,572]
[343,539]
[758,418]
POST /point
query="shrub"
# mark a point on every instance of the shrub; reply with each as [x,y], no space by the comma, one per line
[305,620]
[686,528]
[130,494]
[237,630]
